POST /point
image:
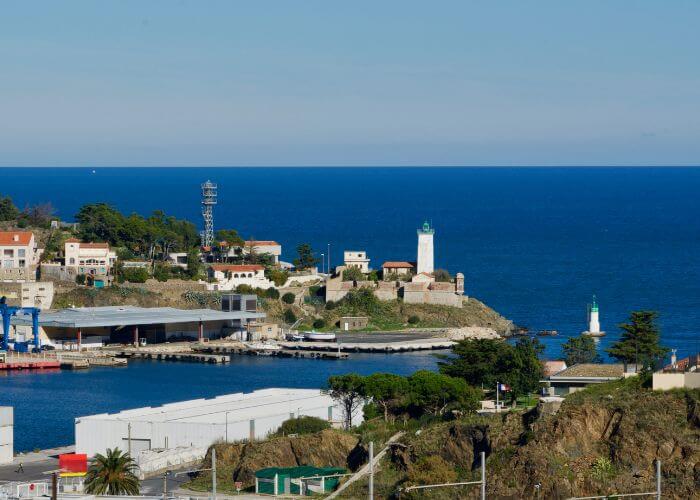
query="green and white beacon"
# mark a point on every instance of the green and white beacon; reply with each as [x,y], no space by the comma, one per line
[593,320]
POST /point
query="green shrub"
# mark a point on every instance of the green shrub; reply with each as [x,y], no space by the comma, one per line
[330,305]
[288,298]
[80,279]
[133,275]
[277,276]
[302,425]
[431,469]
[362,300]
[272,293]
[602,469]
[442,275]
[319,323]
[314,289]
[353,274]
[245,289]
[161,272]
[289,317]
[413,320]
[370,411]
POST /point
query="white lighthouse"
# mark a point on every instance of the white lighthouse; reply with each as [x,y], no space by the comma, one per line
[593,321]
[425,249]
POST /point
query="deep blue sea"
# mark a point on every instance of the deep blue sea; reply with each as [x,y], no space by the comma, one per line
[533,243]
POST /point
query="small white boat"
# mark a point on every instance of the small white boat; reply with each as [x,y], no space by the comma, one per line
[319,336]
[262,346]
[295,337]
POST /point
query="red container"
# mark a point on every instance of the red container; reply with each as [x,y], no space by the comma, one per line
[72,464]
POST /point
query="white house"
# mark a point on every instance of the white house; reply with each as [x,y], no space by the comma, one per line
[20,255]
[261,247]
[356,258]
[229,276]
[399,268]
[92,259]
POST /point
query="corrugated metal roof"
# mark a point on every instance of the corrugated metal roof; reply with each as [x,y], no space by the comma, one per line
[228,408]
[86,317]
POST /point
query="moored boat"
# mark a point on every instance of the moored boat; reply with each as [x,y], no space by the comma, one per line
[319,336]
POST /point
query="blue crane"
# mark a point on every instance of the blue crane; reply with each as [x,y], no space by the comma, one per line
[7,313]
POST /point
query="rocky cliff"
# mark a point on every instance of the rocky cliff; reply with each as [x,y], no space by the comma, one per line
[601,441]
[239,461]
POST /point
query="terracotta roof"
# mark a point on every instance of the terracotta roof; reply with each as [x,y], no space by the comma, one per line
[599,370]
[262,243]
[398,265]
[685,363]
[237,267]
[94,245]
[23,238]
[72,240]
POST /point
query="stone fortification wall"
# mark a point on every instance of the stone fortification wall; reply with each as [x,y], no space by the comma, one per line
[170,286]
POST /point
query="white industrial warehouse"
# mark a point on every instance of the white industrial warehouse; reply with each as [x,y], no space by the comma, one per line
[201,422]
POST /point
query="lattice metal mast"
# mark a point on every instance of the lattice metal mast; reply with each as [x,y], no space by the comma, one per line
[208,202]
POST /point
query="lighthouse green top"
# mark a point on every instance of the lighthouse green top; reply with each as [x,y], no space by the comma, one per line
[594,306]
[426,229]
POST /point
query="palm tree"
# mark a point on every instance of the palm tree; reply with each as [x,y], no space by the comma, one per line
[112,474]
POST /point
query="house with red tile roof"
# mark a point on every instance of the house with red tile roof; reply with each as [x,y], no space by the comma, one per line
[19,256]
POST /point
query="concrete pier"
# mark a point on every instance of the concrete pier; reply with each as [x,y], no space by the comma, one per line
[372,347]
[191,357]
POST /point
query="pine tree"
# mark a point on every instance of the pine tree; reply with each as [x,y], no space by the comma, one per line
[580,350]
[639,342]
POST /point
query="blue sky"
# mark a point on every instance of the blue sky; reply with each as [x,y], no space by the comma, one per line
[349,83]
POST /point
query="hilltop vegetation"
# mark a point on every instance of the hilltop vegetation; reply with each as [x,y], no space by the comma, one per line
[389,315]
[603,440]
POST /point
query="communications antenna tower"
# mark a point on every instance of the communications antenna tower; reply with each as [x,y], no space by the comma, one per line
[208,202]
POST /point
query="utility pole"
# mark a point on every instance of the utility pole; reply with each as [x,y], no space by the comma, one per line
[129,436]
[371,470]
[658,480]
[54,486]
[213,473]
[165,485]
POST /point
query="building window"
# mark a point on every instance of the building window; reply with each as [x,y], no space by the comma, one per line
[8,264]
[9,253]
[72,261]
[21,263]
[21,252]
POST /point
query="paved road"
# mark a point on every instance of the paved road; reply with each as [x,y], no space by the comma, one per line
[382,337]
[34,465]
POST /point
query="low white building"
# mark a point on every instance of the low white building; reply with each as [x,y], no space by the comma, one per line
[263,247]
[7,439]
[202,422]
[229,276]
[19,256]
[91,259]
[356,258]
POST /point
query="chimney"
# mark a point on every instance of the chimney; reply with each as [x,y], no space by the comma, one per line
[15,237]
[673,358]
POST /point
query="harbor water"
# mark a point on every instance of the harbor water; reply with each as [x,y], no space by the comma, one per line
[534,243]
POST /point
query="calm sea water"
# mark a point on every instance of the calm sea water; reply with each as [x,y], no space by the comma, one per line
[46,404]
[534,244]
